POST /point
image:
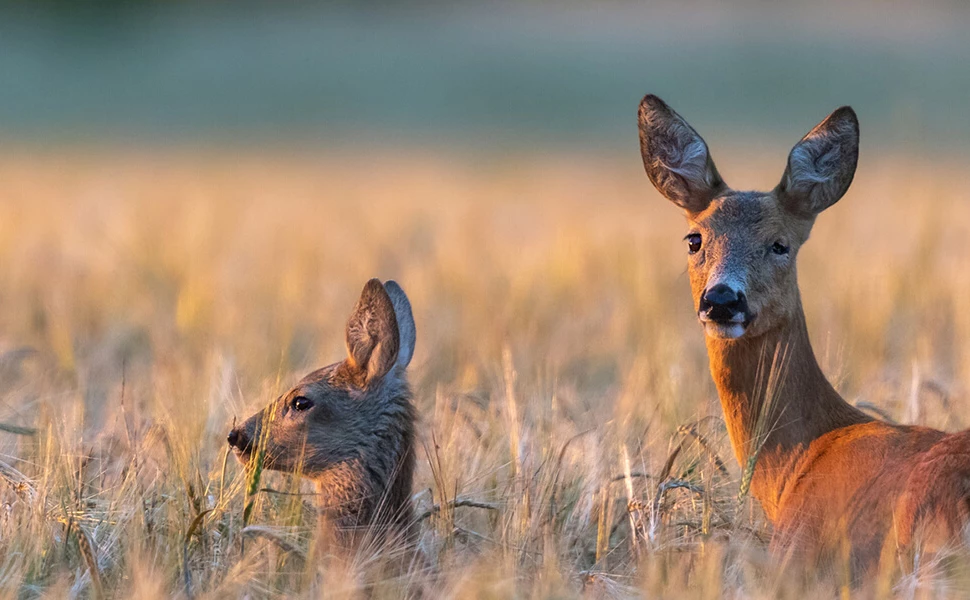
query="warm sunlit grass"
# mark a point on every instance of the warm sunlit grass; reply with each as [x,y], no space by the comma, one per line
[147,300]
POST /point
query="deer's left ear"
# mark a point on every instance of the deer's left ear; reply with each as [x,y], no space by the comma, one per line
[821,166]
[373,340]
[405,322]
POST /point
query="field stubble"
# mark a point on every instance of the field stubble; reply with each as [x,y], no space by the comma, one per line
[571,440]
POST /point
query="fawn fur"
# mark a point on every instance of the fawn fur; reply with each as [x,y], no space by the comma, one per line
[349,426]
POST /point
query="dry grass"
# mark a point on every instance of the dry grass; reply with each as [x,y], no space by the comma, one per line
[571,435]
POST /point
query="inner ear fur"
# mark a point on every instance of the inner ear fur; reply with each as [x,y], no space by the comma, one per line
[373,340]
[676,158]
[821,165]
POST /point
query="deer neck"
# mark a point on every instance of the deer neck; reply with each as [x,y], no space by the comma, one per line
[776,401]
[354,498]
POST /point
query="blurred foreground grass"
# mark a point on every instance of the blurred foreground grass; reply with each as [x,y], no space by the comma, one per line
[148,299]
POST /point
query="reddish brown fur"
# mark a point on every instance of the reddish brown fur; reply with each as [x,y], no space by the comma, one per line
[825,473]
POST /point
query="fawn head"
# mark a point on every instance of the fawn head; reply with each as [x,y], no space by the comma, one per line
[742,245]
[335,414]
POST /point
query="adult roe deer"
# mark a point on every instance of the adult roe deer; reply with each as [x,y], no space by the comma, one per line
[350,426]
[825,473]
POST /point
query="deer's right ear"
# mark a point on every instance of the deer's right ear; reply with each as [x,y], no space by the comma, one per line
[676,159]
[373,340]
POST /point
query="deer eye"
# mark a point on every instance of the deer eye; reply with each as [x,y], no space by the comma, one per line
[693,242]
[779,248]
[302,403]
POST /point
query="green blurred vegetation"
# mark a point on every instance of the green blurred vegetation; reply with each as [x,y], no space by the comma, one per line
[537,74]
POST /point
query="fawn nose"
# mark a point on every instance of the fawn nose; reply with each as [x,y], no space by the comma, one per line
[723,304]
[237,439]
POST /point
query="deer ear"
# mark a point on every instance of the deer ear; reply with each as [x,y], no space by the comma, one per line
[821,166]
[405,322]
[676,159]
[372,336]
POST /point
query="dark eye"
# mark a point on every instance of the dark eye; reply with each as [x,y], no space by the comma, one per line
[693,242]
[779,248]
[302,403]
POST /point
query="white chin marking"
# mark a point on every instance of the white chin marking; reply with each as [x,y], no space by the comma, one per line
[725,331]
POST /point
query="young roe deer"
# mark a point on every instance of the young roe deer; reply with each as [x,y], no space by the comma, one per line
[828,476]
[350,426]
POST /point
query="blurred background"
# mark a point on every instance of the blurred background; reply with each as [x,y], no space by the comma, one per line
[192,195]
[479,75]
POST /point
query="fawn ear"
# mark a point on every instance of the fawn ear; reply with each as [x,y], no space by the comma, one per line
[372,334]
[405,322]
[821,166]
[676,159]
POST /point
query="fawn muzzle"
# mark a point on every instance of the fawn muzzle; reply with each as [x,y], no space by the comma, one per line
[240,441]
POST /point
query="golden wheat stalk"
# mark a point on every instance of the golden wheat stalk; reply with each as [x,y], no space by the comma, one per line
[88,554]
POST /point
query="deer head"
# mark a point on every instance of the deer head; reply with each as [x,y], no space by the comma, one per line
[742,246]
[346,412]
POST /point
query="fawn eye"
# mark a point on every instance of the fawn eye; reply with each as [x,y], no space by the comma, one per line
[302,403]
[779,248]
[693,242]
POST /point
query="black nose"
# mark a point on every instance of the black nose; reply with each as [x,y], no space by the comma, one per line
[721,303]
[238,439]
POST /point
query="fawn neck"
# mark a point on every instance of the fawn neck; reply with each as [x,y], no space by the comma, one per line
[369,494]
[776,401]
